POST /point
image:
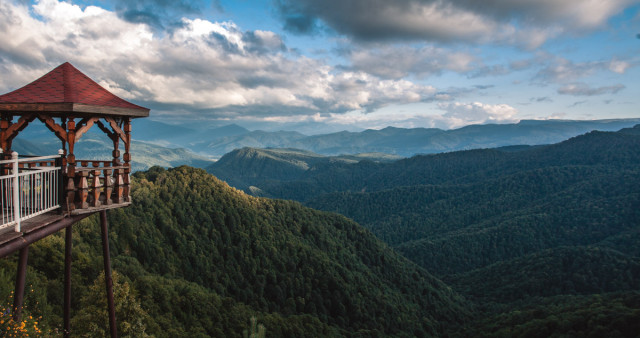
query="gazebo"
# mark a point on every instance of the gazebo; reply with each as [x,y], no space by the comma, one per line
[42,195]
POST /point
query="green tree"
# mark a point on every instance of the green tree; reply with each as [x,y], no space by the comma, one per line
[92,319]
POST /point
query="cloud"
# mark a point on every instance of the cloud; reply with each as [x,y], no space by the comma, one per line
[582,89]
[210,67]
[619,67]
[560,70]
[526,22]
[395,62]
[159,13]
[477,112]
[577,103]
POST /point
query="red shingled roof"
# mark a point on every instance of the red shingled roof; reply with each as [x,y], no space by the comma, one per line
[67,85]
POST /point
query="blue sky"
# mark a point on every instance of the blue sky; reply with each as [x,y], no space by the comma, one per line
[325,65]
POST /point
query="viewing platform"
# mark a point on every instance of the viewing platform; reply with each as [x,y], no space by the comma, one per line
[41,195]
[33,193]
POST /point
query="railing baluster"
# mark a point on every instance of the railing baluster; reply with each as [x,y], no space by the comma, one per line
[28,193]
[16,191]
[95,186]
[107,186]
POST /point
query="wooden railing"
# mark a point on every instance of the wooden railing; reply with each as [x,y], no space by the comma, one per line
[99,184]
[28,187]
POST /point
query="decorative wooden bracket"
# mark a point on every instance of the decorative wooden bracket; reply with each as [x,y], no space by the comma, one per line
[116,128]
[17,127]
[112,135]
[60,132]
[85,124]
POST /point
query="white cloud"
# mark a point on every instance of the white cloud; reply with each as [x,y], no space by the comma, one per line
[461,114]
[618,66]
[582,89]
[561,70]
[201,65]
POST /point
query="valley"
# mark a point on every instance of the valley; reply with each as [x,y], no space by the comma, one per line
[527,240]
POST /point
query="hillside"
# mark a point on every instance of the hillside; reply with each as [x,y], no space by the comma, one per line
[510,228]
[247,168]
[551,272]
[204,257]
[502,205]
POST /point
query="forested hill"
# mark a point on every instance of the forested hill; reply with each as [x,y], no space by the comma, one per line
[244,168]
[595,148]
[545,239]
[204,257]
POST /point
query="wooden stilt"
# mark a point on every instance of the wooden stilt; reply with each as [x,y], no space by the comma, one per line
[18,296]
[107,273]
[67,281]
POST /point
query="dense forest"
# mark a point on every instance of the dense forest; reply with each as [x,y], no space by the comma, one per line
[194,257]
[513,229]
[517,241]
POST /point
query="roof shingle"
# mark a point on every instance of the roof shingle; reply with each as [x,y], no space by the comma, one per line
[66,84]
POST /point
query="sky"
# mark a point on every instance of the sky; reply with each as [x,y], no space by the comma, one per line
[318,66]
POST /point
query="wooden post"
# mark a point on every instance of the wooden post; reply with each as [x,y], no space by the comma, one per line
[18,296]
[63,122]
[107,273]
[5,143]
[67,281]
[71,164]
[127,159]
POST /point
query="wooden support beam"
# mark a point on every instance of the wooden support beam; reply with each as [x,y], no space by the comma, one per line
[18,295]
[31,237]
[107,273]
[5,122]
[67,281]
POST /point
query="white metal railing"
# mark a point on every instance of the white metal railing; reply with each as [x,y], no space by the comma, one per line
[29,187]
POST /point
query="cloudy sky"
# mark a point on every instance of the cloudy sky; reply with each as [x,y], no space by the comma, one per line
[327,65]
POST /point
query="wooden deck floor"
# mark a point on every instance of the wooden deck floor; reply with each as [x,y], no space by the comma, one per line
[30,225]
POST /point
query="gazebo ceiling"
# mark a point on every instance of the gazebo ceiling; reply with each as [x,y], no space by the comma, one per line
[65,91]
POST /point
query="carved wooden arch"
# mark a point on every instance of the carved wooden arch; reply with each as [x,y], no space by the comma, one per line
[68,132]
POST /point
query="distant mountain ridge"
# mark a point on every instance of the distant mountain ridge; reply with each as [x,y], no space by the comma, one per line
[95,146]
[216,142]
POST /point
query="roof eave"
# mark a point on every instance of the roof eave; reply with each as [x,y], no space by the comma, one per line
[56,109]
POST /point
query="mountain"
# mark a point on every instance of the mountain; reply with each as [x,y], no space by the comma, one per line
[172,135]
[498,205]
[538,237]
[217,141]
[202,258]
[154,131]
[214,141]
[222,145]
[94,145]
[245,165]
